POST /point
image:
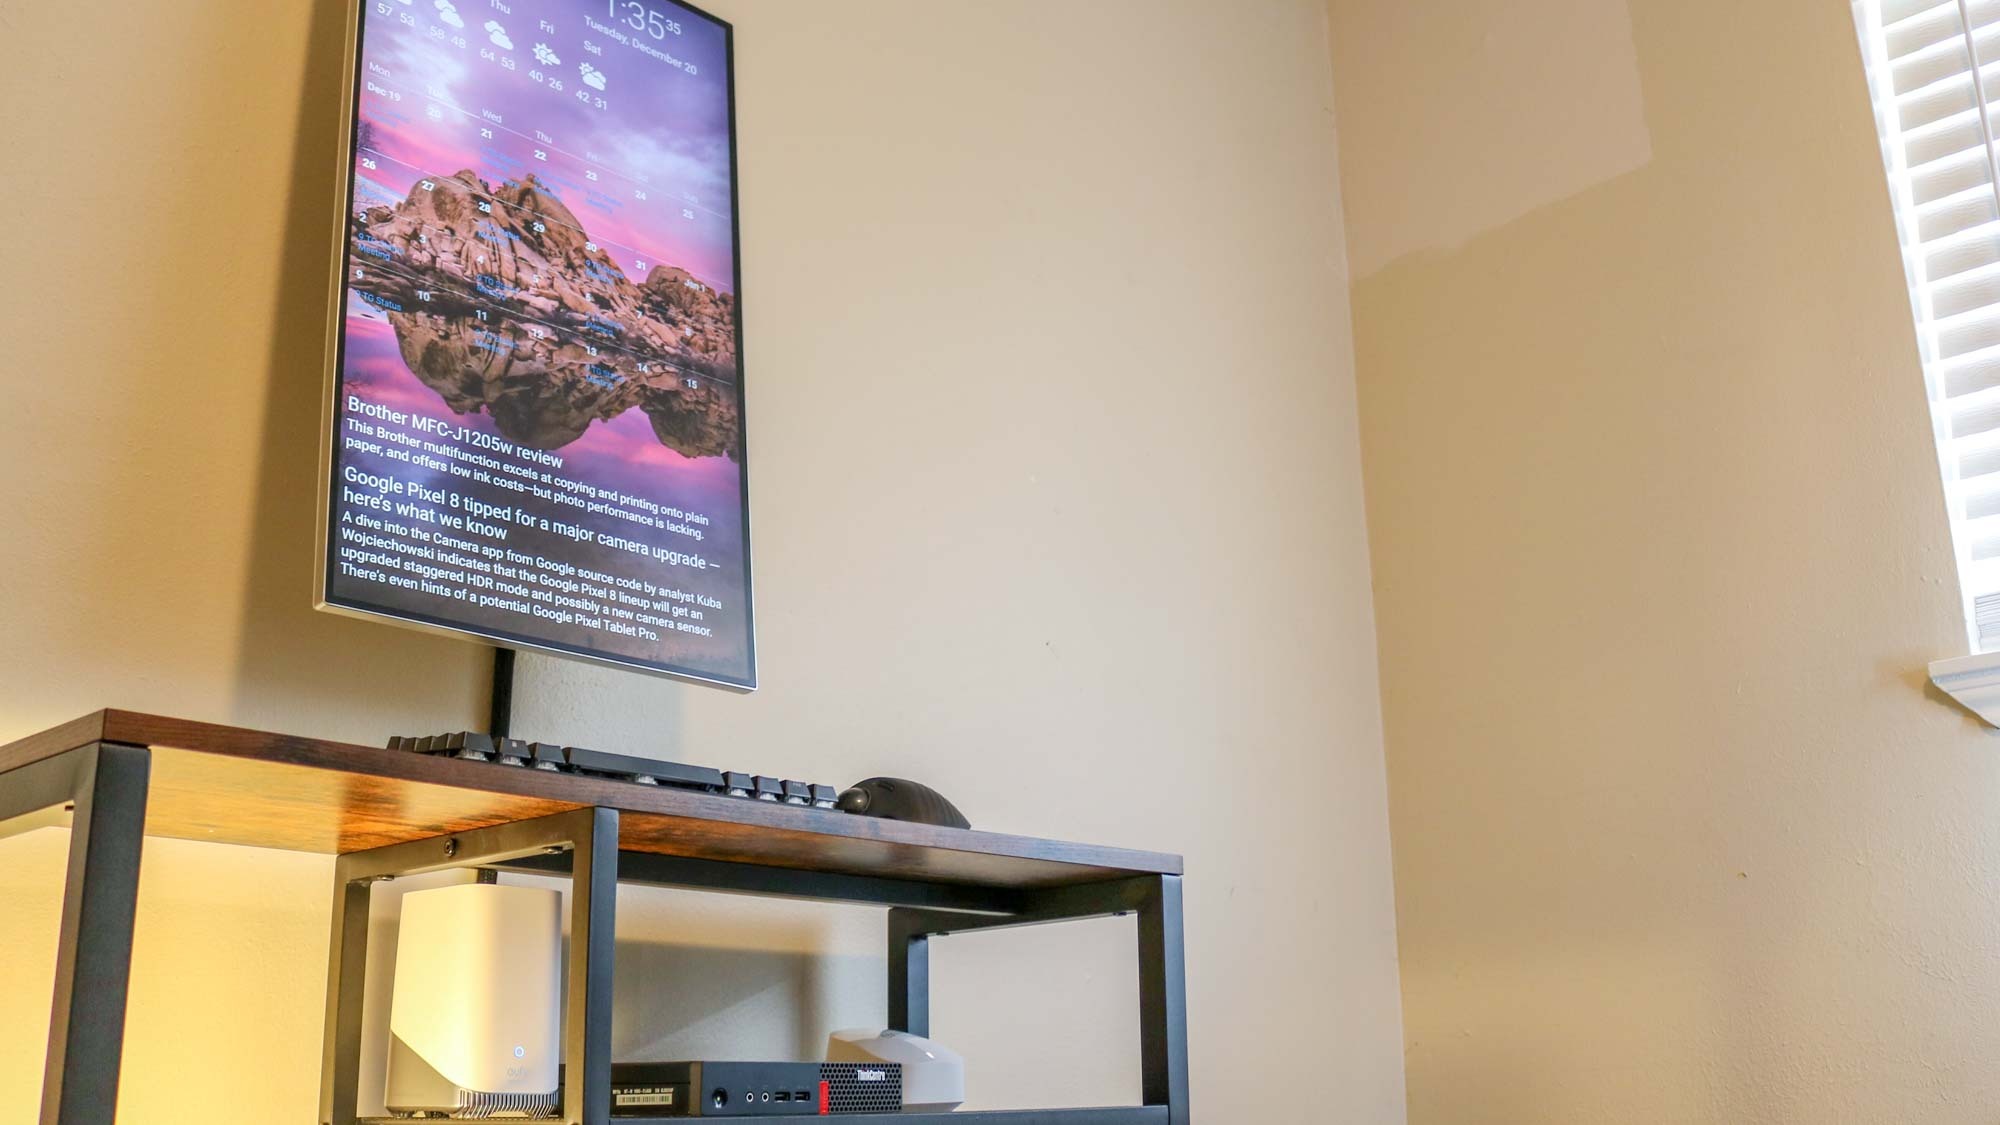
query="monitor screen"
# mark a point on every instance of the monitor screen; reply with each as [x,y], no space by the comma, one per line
[535,432]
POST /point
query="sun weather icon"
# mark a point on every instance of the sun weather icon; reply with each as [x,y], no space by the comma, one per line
[592,77]
[545,56]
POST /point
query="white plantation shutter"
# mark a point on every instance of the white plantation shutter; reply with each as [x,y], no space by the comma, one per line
[1938,147]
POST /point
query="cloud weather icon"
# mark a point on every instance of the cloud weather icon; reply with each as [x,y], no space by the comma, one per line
[448,12]
[545,56]
[592,77]
[499,35]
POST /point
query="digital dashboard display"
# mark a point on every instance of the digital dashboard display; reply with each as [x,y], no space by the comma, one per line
[536,426]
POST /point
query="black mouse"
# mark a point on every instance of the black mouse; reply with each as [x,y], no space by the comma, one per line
[894,798]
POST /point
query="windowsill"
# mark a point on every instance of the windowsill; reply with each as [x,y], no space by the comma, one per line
[1972,680]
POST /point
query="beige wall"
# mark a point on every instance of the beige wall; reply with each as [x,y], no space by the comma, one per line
[1660,555]
[1057,487]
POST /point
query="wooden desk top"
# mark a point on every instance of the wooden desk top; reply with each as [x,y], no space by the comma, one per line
[233,786]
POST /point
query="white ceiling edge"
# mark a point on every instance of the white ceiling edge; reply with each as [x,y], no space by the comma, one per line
[1972,680]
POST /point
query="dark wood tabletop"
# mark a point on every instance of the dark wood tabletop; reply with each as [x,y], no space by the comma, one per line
[234,786]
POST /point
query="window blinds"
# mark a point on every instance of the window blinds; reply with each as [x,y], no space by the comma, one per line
[1938,148]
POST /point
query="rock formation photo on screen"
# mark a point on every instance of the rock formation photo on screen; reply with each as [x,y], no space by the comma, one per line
[502,304]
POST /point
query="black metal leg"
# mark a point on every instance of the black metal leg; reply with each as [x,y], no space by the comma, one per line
[591,836]
[347,967]
[909,973]
[1163,1000]
[592,947]
[106,785]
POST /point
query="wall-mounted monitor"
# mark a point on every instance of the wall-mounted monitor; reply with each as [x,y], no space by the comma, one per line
[534,428]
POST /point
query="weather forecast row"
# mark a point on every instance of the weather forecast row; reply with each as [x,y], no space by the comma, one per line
[446,23]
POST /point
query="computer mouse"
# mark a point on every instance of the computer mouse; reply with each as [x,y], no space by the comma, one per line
[896,798]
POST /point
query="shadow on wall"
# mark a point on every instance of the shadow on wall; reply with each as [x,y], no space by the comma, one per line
[691,1001]
[286,652]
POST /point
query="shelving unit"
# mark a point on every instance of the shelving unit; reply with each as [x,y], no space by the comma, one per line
[118,776]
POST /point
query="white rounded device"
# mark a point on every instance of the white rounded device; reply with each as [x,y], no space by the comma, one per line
[474,1020]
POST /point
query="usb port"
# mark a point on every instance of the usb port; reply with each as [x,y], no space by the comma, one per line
[781,1096]
[802,1096]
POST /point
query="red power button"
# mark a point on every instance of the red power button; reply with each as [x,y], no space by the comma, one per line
[825,1098]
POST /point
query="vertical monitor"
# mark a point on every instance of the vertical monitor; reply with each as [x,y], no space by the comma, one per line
[535,425]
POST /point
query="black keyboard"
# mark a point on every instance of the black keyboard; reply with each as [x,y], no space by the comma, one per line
[477,747]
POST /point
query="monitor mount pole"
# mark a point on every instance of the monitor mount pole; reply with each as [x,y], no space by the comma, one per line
[501,716]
